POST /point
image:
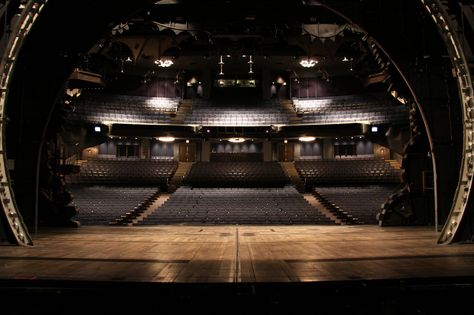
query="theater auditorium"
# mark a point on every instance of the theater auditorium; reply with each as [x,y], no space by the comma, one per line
[236,156]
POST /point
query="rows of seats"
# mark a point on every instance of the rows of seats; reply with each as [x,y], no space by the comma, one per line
[363,202]
[105,171]
[236,113]
[125,109]
[236,206]
[328,103]
[236,117]
[236,174]
[156,103]
[382,115]
[99,205]
[344,171]
[351,109]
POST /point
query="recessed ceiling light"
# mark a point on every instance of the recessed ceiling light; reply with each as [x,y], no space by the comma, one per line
[307,139]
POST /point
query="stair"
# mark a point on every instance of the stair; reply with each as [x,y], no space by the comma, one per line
[325,211]
[181,172]
[151,208]
[343,216]
[394,164]
[290,170]
[184,109]
[288,109]
[129,217]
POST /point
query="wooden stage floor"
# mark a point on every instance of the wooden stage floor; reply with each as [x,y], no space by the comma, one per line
[237,270]
[236,254]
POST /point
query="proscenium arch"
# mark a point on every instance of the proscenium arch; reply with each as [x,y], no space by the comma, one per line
[415,102]
[450,37]
[32,9]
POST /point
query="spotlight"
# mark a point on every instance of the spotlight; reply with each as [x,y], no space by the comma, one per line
[97,129]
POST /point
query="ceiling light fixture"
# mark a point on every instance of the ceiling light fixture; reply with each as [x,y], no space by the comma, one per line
[221,63]
[236,140]
[307,138]
[166,139]
[250,62]
[164,63]
[308,63]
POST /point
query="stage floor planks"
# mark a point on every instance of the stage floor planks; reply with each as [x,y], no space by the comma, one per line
[210,254]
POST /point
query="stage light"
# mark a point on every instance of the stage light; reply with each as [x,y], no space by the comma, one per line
[97,129]
[374,129]
[187,141]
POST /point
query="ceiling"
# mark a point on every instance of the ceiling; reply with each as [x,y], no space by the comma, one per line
[195,34]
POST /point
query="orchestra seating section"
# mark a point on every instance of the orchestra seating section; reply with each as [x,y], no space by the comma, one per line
[363,202]
[350,109]
[101,205]
[236,174]
[126,171]
[98,108]
[236,206]
[347,171]
[263,113]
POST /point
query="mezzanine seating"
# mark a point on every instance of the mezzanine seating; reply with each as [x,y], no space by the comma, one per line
[127,109]
[350,109]
[209,113]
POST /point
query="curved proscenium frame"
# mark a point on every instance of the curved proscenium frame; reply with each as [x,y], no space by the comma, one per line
[415,102]
[32,9]
[461,69]
[20,30]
